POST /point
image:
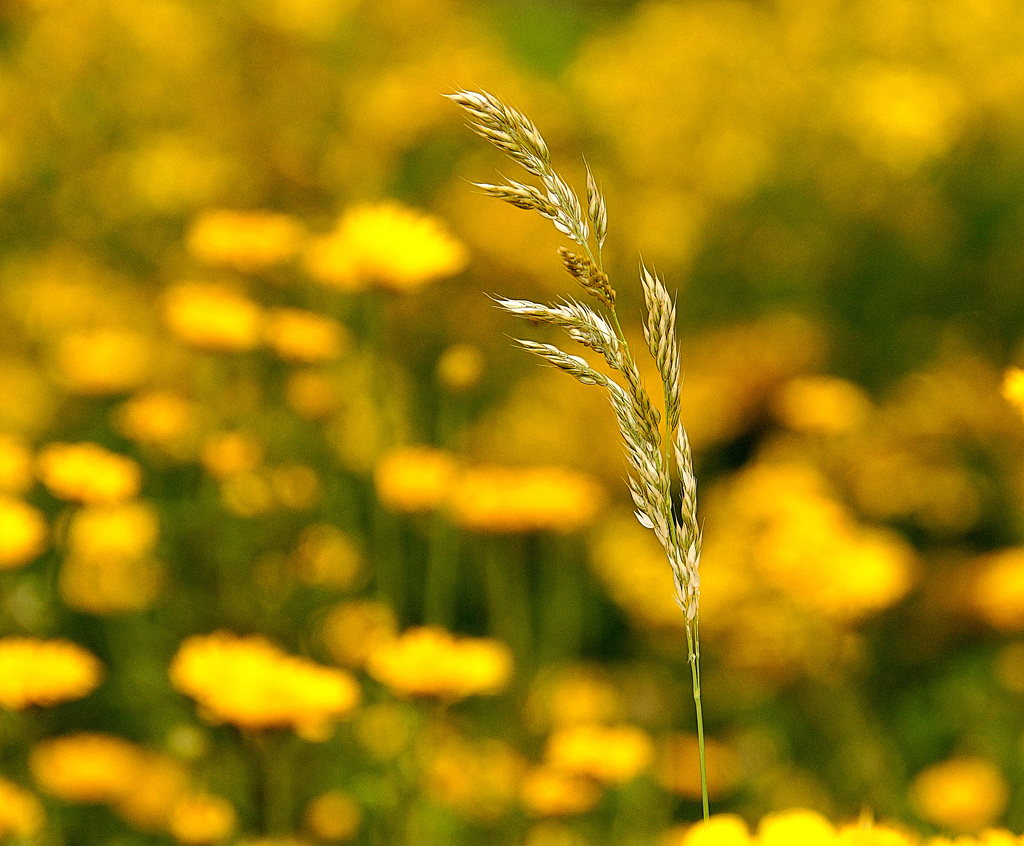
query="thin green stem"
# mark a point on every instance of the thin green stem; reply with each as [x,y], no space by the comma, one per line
[693,644]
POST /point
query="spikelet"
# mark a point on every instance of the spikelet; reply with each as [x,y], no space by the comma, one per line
[653,450]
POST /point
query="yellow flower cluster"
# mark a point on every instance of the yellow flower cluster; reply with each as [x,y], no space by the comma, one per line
[387,245]
[800,827]
[45,672]
[488,499]
[251,683]
[148,789]
[246,241]
[998,591]
[430,661]
[88,473]
[16,466]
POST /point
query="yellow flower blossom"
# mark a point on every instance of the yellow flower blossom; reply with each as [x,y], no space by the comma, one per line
[1013,387]
[998,594]
[962,794]
[868,833]
[213,317]
[45,672]
[244,240]
[355,630]
[87,767]
[720,830]
[228,453]
[460,367]
[325,555]
[148,802]
[313,394]
[823,405]
[386,245]
[304,337]
[88,473]
[100,362]
[333,816]
[795,827]
[480,779]
[110,584]
[16,466]
[429,661]
[549,792]
[125,530]
[528,499]
[250,682]
[295,485]
[23,533]
[414,479]
[609,754]
[21,813]
[158,418]
[247,494]
[576,694]
[201,818]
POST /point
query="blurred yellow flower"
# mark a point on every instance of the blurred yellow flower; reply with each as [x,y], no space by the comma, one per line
[998,594]
[415,478]
[244,240]
[387,245]
[250,682]
[355,630]
[201,818]
[527,499]
[86,767]
[87,473]
[158,418]
[576,694]
[313,394]
[963,794]
[678,769]
[99,362]
[295,486]
[148,802]
[549,792]
[823,405]
[45,672]
[110,585]
[213,317]
[430,661]
[333,816]
[1013,387]
[795,827]
[480,779]
[16,463]
[248,494]
[23,533]
[720,830]
[304,337]
[460,367]
[21,813]
[609,754]
[385,729]
[325,555]
[227,453]
[868,833]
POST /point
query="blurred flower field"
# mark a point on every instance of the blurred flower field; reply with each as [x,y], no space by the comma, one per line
[297,548]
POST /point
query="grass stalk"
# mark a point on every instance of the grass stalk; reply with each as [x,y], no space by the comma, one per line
[656,444]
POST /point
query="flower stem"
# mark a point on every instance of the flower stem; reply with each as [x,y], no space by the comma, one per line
[693,645]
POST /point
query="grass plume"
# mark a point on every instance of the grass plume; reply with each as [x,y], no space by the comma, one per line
[657,449]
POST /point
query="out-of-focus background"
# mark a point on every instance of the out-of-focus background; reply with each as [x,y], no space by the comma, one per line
[260,425]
